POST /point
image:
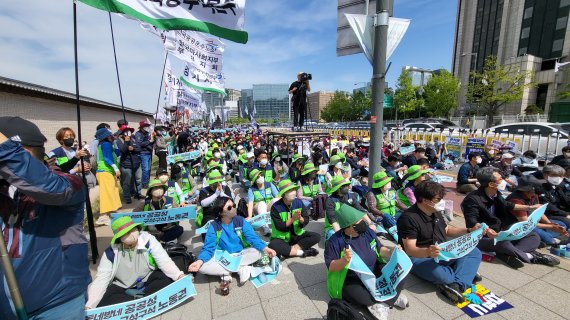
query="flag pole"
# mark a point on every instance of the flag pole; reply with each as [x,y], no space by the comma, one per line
[90,222]
[160,88]
[11,280]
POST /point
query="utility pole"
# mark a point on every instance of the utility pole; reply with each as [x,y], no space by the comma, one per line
[383,12]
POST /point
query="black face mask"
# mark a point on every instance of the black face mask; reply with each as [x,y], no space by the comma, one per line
[360,227]
[68,142]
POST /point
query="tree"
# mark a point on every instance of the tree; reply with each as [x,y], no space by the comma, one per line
[406,100]
[533,109]
[361,105]
[496,86]
[337,109]
[441,93]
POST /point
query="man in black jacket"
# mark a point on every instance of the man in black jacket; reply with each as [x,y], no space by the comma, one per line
[487,205]
[129,164]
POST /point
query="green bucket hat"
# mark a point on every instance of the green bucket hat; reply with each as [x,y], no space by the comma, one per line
[415,172]
[334,160]
[308,168]
[275,155]
[154,184]
[298,156]
[209,155]
[254,174]
[380,179]
[346,216]
[122,226]
[242,158]
[214,176]
[286,185]
[342,157]
[336,183]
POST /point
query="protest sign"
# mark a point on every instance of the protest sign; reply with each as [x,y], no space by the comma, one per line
[192,155]
[474,145]
[229,261]
[454,147]
[441,178]
[520,229]
[224,20]
[149,306]
[407,150]
[260,220]
[384,287]
[160,216]
[461,246]
[262,276]
[491,303]
[204,228]
[513,146]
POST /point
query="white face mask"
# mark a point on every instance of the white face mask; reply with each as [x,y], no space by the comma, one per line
[398,164]
[181,165]
[290,196]
[217,155]
[263,162]
[502,186]
[567,154]
[157,193]
[387,187]
[163,178]
[440,206]
[131,238]
[277,159]
[222,154]
[555,180]
[260,180]
[338,165]
[479,160]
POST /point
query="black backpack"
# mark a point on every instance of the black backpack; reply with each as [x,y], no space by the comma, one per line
[242,208]
[342,310]
[180,255]
[318,206]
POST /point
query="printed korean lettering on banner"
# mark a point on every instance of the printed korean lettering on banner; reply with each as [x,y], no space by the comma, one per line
[192,155]
[160,216]
[520,229]
[222,19]
[461,246]
[474,145]
[262,276]
[454,147]
[441,178]
[491,303]
[513,146]
[184,97]
[229,261]
[384,287]
[497,144]
[260,220]
[149,306]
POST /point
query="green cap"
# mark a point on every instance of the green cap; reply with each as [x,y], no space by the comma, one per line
[380,179]
[308,168]
[334,160]
[346,215]
[336,183]
[275,155]
[155,183]
[286,185]
[415,172]
[214,176]
[342,157]
[298,156]
[254,174]
[122,226]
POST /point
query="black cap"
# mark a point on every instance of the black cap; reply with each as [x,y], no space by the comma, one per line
[23,131]
[525,185]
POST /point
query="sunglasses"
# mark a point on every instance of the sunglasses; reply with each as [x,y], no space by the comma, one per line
[230,207]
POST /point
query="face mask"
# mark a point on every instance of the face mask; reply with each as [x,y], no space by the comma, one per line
[146,129]
[491,152]
[131,238]
[277,159]
[68,142]
[163,178]
[440,206]
[217,155]
[263,162]
[181,165]
[479,160]
[387,187]
[260,180]
[567,154]
[360,227]
[157,193]
[127,133]
[503,185]
[555,180]
[290,196]
[398,164]
[338,165]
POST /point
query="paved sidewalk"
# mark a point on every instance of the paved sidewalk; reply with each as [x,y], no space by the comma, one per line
[299,292]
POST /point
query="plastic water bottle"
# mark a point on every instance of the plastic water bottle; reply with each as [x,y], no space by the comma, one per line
[140,284]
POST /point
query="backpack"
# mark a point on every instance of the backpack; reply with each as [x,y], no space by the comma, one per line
[318,207]
[180,255]
[342,310]
[242,208]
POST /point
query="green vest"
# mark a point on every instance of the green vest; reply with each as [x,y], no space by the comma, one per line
[328,225]
[387,205]
[186,185]
[307,192]
[335,280]
[267,175]
[403,199]
[171,192]
[284,216]
[102,165]
[258,196]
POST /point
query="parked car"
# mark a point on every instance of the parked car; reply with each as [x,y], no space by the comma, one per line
[439,122]
[545,138]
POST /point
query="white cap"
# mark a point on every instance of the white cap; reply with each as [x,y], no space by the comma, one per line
[240,147]
[250,155]
[507,156]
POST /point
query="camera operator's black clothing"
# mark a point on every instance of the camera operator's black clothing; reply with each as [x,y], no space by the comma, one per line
[299,101]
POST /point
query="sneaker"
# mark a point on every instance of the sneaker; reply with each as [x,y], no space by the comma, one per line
[545,259]
[477,278]
[511,261]
[311,252]
[244,272]
[452,292]
[379,310]
[402,302]
[103,220]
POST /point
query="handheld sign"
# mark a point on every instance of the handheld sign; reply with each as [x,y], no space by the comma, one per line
[519,230]
[183,156]
[160,216]
[228,261]
[262,276]
[461,246]
[260,220]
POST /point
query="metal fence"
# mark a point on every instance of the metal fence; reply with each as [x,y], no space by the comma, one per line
[479,122]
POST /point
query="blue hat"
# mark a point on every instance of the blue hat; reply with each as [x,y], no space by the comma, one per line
[102,133]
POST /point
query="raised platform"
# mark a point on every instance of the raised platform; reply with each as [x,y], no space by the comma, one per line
[298,134]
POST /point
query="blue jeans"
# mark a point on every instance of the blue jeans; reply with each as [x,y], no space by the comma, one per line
[547,236]
[146,159]
[388,221]
[461,271]
[71,310]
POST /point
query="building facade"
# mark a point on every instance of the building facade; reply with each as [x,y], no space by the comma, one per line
[420,77]
[245,103]
[232,94]
[266,101]
[526,35]
[316,102]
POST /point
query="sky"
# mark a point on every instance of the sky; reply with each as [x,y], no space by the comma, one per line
[36,46]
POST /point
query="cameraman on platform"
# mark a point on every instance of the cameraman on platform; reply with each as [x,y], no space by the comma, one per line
[299,91]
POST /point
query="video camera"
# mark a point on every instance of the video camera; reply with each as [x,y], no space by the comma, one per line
[306,76]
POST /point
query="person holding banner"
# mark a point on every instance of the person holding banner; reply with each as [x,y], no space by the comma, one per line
[173,189]
[354,237]
[487,205]
[260,197]
[229,233]
[134,256]
[421,228]
[161,145]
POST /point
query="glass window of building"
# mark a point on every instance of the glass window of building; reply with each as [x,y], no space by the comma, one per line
[561,22]
[528,13]
[522,51]
[525,33]
[564,3]
[557,45]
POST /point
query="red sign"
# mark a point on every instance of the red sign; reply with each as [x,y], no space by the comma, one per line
[373,119]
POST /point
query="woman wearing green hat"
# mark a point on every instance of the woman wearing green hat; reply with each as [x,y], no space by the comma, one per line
[260,197]
[288,219]
[336,170]
[134,256]
[296,167]
[382,200]
[414,175]
[309,185]
[207,196]
[355,238]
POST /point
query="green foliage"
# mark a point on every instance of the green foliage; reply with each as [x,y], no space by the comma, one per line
[496,86]
[337,109]
[441,93]
[406,98]
[533,109]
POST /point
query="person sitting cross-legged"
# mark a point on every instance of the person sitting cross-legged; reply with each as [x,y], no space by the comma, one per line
[260,197]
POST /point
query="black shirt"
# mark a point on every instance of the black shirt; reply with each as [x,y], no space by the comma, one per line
[478,207]
[427,230]
[300,94]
